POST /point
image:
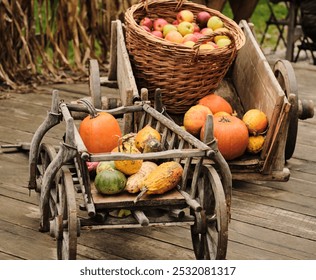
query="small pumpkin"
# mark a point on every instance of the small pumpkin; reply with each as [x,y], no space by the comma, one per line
[231,134]
[216,103]
[110,181]
[256,121]
[100,132]
[194,118]
[255,144]
[221,113]
[147,138]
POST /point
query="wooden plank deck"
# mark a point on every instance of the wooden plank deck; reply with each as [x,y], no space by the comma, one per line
[270,220]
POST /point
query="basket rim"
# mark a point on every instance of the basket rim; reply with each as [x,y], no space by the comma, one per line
[143,5]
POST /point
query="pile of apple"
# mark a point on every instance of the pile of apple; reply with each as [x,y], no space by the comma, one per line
[187,29]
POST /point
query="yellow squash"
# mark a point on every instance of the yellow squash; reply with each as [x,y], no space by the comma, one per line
[162,179]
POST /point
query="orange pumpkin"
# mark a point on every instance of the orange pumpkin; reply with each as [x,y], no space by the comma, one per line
[194,118]
[256,121]
[231,134]
[100,133]
[221,113]
[216,103]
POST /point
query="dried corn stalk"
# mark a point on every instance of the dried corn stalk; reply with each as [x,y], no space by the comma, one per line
[45,41]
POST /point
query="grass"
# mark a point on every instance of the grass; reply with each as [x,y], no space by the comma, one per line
[259,18]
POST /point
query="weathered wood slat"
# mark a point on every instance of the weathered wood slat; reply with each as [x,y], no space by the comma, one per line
[265,243]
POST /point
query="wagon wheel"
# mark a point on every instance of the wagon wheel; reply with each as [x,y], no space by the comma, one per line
[285,75]
[61,207]
[46,154]
[210,230]
[65,225]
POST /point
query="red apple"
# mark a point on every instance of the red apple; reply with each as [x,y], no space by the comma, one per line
[175,22]
[185,15]
[213,44]
[202,18]
[157,33]
[159,23]
[206,31]
[196,27]
[185,27]
[190,37]
[174,36]
[198,35]
[146,22]
[145,28]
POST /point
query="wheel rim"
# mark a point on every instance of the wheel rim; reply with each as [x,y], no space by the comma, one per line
[67,213]
[46,155]
[285,75]
[210,231]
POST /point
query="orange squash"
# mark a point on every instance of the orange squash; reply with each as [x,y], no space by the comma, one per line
[100,133]
[194,118]
[231,134]
[256,121]
[216,103]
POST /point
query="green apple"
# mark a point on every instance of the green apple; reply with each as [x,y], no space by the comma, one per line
[223,42]
[189,44]
[221,36]
[167,28]
[185,28]
[215,22]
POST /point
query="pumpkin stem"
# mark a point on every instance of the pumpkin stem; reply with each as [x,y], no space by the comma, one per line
[224,119]
[92,111]
[138,197]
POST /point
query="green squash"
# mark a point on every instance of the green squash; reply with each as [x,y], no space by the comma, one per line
[110,181]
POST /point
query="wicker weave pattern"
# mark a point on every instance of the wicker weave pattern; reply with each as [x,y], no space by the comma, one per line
[184,74]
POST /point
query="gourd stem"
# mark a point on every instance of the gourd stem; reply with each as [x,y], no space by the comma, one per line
[92,111]
[138,197]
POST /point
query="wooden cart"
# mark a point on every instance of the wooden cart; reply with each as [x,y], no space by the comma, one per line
[250,83]
[69,203]
[68,200]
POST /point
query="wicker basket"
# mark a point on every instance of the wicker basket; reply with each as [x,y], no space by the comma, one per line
[183,74]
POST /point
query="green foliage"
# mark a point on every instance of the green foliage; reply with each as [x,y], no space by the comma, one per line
[259,18]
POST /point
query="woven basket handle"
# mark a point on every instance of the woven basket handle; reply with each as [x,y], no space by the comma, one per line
[209,37]
[145,3]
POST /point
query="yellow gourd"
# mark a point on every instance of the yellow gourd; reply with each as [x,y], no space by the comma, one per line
[162,179]
[148,139]
[134,181]
[128,167]
[255,144]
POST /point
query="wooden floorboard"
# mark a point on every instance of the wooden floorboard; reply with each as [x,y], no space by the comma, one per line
[270,220]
